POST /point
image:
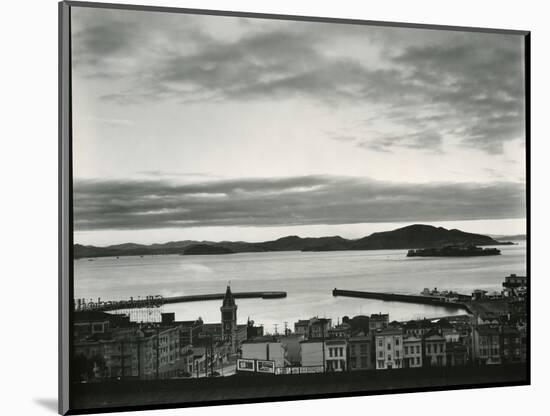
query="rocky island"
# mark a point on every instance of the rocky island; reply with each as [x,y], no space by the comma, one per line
[454,251]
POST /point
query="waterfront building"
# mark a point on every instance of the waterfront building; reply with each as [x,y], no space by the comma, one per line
[313,328]
[319,327]
[189,331]
[159,354]
[478,294]
[302,327]
[378,321]
[336,355]
[312,353]
[199,360]
[450,334]
[229,319]
[416,328]
[253,331]
[456,353]
[265,348]
[359,323]
[412,351]
[122,355]
[515,286]
[510,345]
[486,339]
[434,350]
[514,281]
[490,317]
[389,348]
[214,331]
[360,348]
[216,352]
[88,323]
[340,331]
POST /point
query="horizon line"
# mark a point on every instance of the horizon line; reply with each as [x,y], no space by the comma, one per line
[296,235]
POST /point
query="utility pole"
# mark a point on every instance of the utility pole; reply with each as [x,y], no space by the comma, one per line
[324,365]
[121,359]
[158,362]
[206,361]
[211,357]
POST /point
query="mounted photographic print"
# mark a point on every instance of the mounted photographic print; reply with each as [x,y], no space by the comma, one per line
[264,207]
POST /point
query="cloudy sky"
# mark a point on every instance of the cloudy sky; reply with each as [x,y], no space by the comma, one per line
[203,127]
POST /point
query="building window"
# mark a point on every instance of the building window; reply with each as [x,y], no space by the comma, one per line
[406,349]
[363,348]
[418,349]
[429,348]
[418,360]
[380,342]
[330,352]
[397,354]
[389,346]
[341,349]
[381,354]
[397,341]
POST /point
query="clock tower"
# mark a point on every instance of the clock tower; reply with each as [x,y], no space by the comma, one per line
[229,319]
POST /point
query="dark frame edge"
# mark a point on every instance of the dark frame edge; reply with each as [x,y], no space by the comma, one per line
[527,55]
[275,16]
[64,206]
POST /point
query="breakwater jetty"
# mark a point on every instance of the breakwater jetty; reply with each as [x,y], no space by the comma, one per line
[157,301]
[396,297]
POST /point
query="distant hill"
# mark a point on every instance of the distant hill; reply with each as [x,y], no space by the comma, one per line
[132,249]
[412,236]
[207,249]
[420,236]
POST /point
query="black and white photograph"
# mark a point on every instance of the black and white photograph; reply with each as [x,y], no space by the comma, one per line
[276,208]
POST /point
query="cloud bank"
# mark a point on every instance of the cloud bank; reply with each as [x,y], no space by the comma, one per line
[431,86]
[303,200]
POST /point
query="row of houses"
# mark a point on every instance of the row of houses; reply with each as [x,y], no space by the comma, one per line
[358,344]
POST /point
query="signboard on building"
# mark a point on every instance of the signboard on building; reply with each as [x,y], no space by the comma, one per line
[245,365]
[263,366]
[299,370]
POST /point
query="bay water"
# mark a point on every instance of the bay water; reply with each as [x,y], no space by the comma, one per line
[307,277]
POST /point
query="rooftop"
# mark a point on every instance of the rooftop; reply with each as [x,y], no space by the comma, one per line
[262,340]
[389,331]
[229,299]
[411,338]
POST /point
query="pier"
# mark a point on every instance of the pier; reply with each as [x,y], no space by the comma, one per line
[396,297]
[157,301]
